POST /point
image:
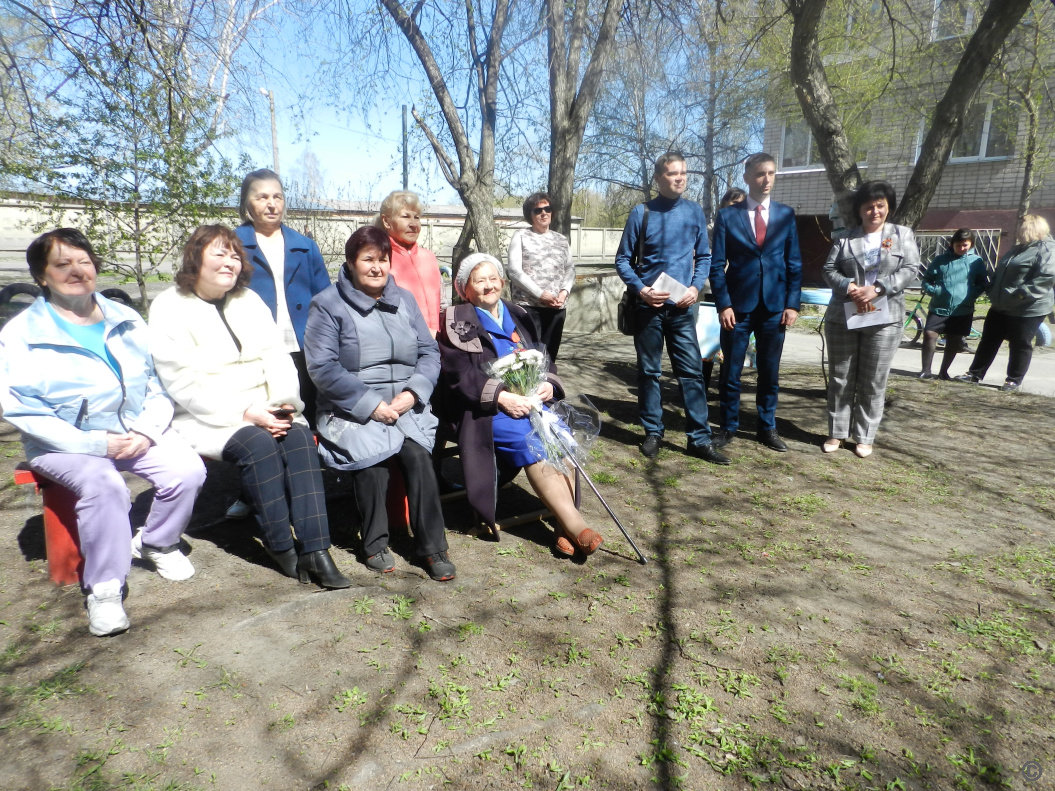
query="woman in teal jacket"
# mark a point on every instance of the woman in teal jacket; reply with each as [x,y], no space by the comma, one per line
[953,281]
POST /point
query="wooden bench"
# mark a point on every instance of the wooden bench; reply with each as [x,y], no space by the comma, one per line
[65,563]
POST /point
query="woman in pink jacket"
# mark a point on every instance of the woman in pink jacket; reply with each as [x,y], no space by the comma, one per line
[413,268]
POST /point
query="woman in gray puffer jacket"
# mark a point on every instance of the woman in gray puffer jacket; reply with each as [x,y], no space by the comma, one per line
[375,364]
[1020,291]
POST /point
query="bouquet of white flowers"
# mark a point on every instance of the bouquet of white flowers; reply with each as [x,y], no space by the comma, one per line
[521,371]
[556,433]
[560,436]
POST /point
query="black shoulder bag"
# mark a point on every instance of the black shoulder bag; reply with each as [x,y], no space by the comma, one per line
[625,314]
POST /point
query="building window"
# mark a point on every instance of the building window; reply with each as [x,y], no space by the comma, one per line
[988,132]
[951,18]
[799,149]
[863,17]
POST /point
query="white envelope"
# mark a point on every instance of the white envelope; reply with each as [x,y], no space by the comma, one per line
[666,283]
[876,313]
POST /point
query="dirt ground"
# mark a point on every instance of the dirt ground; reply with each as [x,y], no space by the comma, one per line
[804,621]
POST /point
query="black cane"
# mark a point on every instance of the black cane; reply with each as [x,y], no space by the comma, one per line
[608,508]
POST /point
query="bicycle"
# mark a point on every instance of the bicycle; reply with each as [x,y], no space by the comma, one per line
[916,321]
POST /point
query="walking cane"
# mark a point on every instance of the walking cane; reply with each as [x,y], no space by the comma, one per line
[611,513]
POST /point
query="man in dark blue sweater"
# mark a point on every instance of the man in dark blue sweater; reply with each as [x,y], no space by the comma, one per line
[675,244]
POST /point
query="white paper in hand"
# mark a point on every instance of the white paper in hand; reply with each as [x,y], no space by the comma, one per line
[875,314]
[668,284]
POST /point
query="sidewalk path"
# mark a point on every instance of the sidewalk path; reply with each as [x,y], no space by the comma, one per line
[804,348]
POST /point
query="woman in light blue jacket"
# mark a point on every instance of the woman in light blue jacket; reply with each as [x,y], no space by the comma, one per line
[79,383]
[375,364]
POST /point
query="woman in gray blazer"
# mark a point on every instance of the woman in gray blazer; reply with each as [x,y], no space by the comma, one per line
[867,271]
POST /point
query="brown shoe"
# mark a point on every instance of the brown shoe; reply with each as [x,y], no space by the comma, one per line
[563,547]
[588,540]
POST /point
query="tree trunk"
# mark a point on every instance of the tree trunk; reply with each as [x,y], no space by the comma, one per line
[818,104]
[822,113]
[710,198]
[1029,158]
[570,108]
[472,176]
[996,24]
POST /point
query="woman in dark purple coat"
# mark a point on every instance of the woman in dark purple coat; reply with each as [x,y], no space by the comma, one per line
[491,421]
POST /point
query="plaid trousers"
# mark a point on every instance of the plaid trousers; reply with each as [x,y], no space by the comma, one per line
[858,366]
[283,482]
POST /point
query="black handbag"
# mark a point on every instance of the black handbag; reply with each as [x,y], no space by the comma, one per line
[628,302]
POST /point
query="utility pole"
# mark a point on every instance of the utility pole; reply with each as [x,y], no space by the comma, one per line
[274,130]
[406,181]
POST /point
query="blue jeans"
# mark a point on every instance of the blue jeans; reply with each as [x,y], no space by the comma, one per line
[677,326]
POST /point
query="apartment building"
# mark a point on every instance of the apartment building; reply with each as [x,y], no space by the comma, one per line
[981,185]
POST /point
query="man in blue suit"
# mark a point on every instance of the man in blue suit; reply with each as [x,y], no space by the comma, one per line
[756,280]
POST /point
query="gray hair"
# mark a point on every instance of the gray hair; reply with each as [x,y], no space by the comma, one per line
[264,174]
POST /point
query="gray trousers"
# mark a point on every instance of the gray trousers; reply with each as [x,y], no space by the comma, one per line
[858,366]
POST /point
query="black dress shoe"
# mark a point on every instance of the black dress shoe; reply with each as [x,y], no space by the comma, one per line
[318,567]
[287,561]
[772,440]
[650,447]
[721,437]
[970,379]
[708,453]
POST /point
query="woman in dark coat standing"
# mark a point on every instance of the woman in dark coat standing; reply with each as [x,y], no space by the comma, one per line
[1020,291]
[490,420]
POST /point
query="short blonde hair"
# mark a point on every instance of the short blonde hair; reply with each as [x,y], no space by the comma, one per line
[1032,229]
[396,201]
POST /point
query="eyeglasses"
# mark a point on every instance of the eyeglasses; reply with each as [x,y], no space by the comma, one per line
[542,210]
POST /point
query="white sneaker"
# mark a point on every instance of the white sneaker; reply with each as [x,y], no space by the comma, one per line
[172,565]
[106,615]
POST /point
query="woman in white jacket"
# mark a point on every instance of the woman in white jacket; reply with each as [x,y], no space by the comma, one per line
[218,353]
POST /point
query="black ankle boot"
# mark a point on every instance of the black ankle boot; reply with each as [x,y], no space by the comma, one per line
[286,560]
[320,568]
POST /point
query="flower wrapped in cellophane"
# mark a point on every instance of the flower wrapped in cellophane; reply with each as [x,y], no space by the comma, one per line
[521,371]
[567,429]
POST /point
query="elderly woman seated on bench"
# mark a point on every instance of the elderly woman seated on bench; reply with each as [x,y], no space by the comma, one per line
[372,356]
[219,354]
[490,420]
[79,383]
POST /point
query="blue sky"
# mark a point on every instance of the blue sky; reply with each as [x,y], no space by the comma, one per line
[360,157]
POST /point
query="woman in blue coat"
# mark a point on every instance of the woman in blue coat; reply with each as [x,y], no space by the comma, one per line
[279,254]
[953,281]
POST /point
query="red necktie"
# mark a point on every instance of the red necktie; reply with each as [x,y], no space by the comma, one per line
[760,226]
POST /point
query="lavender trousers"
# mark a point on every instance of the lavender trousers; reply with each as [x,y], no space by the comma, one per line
[103,501]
